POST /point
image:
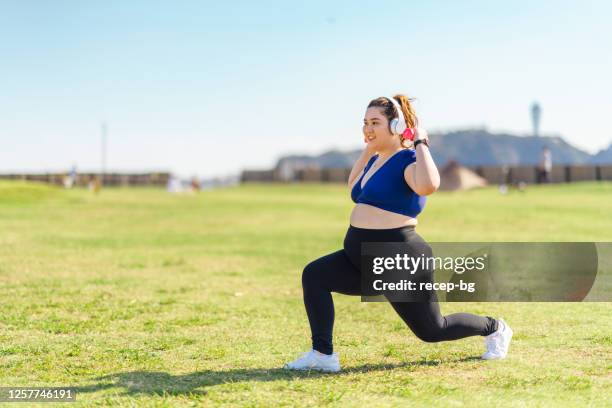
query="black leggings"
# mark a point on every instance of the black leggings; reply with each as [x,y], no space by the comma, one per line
[340,272]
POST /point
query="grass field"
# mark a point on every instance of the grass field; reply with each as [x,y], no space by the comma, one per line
[138,297]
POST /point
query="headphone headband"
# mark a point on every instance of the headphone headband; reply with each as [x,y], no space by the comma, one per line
[398,125]
[398,108]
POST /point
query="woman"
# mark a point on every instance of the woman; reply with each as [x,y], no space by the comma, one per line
[388,183]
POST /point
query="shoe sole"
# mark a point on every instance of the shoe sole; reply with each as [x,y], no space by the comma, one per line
[493,358]
[324,370]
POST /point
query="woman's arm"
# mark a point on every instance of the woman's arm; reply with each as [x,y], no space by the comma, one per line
[422,176]
[359,165]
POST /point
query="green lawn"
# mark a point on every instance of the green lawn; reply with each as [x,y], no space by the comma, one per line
[139,297]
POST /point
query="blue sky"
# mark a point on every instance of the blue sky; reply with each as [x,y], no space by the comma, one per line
[210,88]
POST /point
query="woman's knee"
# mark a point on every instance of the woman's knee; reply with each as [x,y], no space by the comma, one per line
[309,275]
[432,333]
[432,336]
[327,271]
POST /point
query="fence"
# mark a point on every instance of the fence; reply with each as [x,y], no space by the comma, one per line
[107,179]
[493,174]
[558,174]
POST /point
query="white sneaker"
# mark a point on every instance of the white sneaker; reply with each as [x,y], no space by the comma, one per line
[498,343]
[313,360]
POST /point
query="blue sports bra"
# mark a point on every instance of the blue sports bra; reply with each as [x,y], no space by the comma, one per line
[387,189]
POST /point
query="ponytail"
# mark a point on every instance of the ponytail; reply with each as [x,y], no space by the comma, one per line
[408,113]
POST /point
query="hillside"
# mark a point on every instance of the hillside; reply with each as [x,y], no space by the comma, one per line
[471,148]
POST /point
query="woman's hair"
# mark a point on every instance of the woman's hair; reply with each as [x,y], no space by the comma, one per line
[390,111]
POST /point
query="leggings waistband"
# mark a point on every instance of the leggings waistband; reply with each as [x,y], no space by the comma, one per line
[381,234]
[406,228]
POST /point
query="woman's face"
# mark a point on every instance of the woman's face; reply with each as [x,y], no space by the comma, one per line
[376,127]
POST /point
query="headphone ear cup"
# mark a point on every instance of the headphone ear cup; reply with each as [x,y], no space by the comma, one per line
[393,126]
[400,126]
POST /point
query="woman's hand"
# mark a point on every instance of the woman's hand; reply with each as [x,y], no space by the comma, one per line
[369,149]
[361,162]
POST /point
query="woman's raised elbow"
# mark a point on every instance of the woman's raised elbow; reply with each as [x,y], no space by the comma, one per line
[428,189]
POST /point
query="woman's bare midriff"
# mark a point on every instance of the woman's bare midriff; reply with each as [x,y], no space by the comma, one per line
[370,217]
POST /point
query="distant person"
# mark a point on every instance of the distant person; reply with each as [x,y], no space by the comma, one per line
[95,184]
[70,179]
[195,184]
[74,175]
[67,181]
[506,179]
[388,183]
[545,166]
[174,185]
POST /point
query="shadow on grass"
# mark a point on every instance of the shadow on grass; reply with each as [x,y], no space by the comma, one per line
[160,383]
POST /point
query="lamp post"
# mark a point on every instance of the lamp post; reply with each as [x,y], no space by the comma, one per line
[536,112]
[104,130]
